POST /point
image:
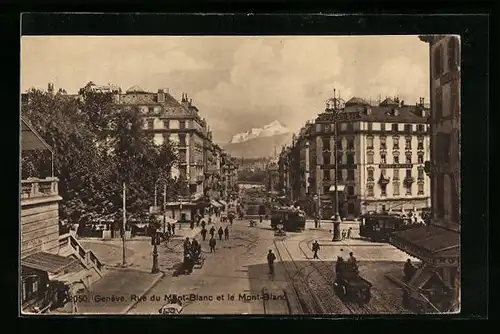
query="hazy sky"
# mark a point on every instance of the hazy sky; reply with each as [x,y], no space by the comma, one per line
[236,82]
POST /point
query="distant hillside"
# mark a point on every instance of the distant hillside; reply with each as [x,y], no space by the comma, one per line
[259,147]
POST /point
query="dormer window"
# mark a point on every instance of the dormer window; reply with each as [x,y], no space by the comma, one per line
[395,112]
[368,110]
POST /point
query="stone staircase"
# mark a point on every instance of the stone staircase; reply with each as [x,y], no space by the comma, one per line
[88,261]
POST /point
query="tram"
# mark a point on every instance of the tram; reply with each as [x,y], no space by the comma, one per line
[378,226]
[292,219]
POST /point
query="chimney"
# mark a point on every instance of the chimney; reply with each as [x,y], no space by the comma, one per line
[184,100]
[161,95]
[402,103]
[50,88]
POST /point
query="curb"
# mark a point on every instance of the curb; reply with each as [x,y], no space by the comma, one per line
[157,279]
[130,268]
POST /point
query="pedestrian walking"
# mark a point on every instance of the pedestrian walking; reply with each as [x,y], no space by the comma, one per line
[169,228]
[315,249]
[226,233]
[343,234]
[191,224]
[220,232]
[173,228]
[270,261]
[409,270]
[349,233]
[187,246]
[203,224]
[212,244]
[203,234]
[212,231]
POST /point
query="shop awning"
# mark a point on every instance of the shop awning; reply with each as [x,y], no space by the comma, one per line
[224,203]
[340,187]
[429,243]
[50,263]
[215,203]
[140,225]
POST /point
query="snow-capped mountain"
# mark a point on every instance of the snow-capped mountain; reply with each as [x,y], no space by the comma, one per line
[274,128]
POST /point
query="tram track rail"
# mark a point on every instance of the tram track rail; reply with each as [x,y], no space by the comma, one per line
[378,303]
[302,292]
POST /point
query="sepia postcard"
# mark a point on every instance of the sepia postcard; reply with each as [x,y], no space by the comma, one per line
[240,175]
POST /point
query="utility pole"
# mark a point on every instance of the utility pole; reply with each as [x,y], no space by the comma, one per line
[124,260]
[155,204]
[319,206]
[164,205]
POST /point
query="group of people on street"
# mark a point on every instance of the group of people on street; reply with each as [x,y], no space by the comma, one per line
[349,266]
[192,252]
[192,249]
[346,234]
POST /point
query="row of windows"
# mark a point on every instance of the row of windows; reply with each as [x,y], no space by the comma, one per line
[395,158]
[395,173]
[395,142]
[370,158]
[371,172]
[349,127]
[370,191]
[369,143]
[166,124]
[395,127]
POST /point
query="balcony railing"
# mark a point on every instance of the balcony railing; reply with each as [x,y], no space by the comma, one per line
[87,257]
[36,188]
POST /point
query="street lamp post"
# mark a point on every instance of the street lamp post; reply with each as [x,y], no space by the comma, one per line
[154,236]
[155,269]
[337,221]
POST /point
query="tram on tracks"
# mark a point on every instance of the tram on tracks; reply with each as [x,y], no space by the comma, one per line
[292,219]
[378,226]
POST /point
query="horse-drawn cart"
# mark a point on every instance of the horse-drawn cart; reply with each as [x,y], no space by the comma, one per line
[199,260]
[349,285]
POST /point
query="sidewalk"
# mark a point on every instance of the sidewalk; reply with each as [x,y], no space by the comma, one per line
[115,292]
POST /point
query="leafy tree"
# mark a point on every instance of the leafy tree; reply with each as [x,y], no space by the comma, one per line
[97,148]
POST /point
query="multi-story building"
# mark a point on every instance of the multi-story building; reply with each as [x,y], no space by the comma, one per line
[380,151]
[167,119]
[180,122]
[438,245]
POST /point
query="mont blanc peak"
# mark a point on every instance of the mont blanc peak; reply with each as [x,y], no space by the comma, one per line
[272,129]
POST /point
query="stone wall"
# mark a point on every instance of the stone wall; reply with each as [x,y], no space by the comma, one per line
[40,225]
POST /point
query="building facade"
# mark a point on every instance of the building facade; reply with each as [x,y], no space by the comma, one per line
[380,151]
[165,119]
[438,245]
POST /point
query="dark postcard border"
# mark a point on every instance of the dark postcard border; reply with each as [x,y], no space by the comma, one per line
[475,107]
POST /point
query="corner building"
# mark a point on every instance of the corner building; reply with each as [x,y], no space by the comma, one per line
[167,119]
[380,151]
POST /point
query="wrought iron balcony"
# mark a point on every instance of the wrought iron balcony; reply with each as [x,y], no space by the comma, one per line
[409,180]
[383,180]
[36,188]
